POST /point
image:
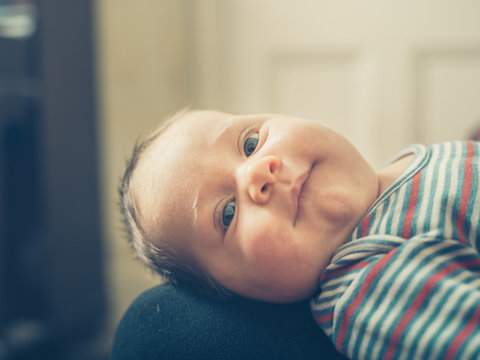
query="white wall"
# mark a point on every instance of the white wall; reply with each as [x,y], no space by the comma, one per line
[143,77]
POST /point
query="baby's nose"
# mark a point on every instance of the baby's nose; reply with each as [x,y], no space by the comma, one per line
[260,175]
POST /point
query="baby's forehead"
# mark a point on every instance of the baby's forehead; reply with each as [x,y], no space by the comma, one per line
[202,117]
[164,171]
[170,160]
[191,130]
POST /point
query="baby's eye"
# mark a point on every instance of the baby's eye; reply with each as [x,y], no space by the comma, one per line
[250,144]
[227,213]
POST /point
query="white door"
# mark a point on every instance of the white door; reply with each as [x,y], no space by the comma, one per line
[384,73]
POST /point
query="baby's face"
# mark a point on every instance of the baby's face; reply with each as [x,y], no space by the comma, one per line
[260,201]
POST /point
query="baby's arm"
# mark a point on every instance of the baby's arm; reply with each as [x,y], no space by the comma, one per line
[421,300]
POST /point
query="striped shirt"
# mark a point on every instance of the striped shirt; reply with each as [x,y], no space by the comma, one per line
[407,284]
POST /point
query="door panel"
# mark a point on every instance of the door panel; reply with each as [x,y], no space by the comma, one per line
[385,74]
[448,94]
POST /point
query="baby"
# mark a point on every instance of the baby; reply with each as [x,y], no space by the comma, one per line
[280,209]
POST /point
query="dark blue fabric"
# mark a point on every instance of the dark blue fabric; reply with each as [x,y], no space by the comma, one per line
[167,322]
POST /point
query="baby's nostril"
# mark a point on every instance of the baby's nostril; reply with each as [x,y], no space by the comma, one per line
[273,167]
[264,187]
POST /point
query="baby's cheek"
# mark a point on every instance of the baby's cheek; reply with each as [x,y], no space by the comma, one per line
[265,244]
[334,204]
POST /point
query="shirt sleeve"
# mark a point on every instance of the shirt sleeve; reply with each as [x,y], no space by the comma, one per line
[421,300]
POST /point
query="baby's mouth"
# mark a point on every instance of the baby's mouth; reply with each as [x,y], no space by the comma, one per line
[296,192]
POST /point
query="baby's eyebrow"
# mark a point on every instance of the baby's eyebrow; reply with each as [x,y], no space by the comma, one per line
[195,209]
[226,126]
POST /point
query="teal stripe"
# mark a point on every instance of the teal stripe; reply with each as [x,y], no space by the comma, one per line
[374,224]
[438,151]
[459,190]
[358,233]
[419,284]
[341,310]
[372,220]
[440,309]
[323,311]
[406,201]
[420,197]
[412,253]
[384,209]
[373,307]
[388,229]
[472,201]
[359,247]
[460,328]
[368,298]
[448,174]
[443,302]
[334,286]
[474,336]
[434,342]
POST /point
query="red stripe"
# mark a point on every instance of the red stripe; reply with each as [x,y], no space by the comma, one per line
[365,225]
[420,299]
[467,188]
[360,296]
[411,206]
[337,272]
[463,335]
[327,318]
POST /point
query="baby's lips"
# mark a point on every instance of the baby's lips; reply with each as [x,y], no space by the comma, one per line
[296,191]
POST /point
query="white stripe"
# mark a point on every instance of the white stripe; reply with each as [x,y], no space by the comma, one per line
[427,177]
[436,208]
[349,276]
[438,324]
[398,214]
[475,217]
[374,319]
[383,226]
[453,173]
[472,349]
[402,296]
[450,327]
[422,203]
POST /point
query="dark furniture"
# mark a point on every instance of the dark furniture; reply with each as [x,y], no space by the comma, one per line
[51,275]
[169,323]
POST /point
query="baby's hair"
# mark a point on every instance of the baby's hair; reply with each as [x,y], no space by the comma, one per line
[159,257]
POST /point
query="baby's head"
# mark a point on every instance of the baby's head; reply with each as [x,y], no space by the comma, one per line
[254,204]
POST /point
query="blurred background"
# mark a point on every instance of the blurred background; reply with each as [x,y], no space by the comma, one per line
[81,81]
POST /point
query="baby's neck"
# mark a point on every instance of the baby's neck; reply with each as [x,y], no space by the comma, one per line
[390,173]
